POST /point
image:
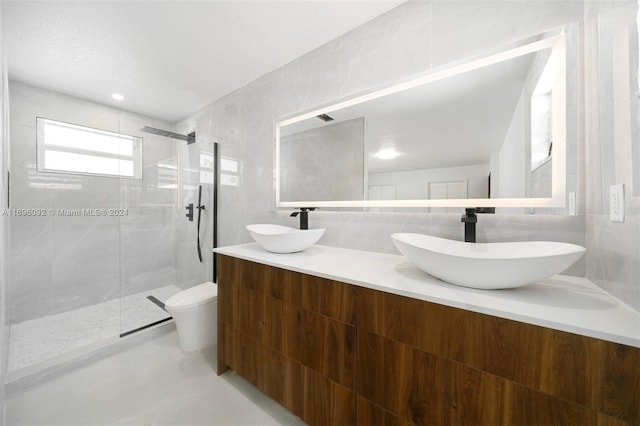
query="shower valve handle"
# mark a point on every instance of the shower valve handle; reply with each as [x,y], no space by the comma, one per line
[189,212]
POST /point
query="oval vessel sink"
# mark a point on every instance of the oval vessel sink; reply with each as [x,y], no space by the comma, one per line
[282,239]
[490,265]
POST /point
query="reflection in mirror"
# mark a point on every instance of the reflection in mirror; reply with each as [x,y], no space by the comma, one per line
[482,130]
[323,163]
[541,140]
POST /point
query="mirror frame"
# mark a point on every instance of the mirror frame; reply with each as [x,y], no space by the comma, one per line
[558,191]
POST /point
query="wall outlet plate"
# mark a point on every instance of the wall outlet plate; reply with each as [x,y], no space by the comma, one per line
[616,203]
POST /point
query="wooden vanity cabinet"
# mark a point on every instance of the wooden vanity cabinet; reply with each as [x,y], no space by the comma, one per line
[424,363]
[337,354]
[293,336]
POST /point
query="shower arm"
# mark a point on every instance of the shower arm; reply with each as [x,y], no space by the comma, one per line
[189,138]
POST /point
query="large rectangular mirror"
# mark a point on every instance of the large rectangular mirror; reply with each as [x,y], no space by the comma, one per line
[486,132]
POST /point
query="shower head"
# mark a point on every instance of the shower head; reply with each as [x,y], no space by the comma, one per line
[190,138]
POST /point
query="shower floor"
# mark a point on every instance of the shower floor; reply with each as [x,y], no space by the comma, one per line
[35,341]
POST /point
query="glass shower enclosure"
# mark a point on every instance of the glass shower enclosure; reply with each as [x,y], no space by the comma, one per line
[95,251]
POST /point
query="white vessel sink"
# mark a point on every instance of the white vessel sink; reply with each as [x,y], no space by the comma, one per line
[490,265]
[282,239]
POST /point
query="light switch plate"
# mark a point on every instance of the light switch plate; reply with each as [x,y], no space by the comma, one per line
[616,203]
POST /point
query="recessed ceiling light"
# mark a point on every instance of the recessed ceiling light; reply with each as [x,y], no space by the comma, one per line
[117,97]
[387,154]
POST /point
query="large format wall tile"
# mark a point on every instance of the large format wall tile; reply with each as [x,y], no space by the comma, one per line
[197,161]
[59,263]
[29,267]
[147,249]
[613,143]
[4,228]
[410,39]
[390,48]
[468,28]
[613,256]
[85,267]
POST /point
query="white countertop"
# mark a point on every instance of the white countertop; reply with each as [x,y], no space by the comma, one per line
[561,302]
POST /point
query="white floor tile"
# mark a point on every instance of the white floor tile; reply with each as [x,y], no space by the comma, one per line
[153,383]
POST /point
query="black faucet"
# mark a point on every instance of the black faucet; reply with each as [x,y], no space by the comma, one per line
[304,216]
[469,219]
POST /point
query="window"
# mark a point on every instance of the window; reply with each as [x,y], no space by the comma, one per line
[542,114]
[229,170]
[207,167]
[69,148]
[541,144]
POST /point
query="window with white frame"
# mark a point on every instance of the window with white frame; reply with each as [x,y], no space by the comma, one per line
[69,148]
[541,143]
[542,115]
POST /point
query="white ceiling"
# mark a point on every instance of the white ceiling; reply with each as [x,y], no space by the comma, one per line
[168,58]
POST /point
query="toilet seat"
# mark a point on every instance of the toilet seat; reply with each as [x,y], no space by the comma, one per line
[195,296]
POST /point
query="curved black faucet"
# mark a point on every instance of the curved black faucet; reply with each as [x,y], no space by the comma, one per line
[470,219]
[304,216]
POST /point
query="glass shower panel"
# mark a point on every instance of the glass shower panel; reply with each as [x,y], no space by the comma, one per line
[198,170]
[148,215]
[108,251]
[85,280]
[64,265]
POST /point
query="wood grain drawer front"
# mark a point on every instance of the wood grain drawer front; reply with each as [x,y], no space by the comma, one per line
[280,284]
[270,321]
[303,358]
[596,374]
[266,309]
[403,384]
[331,298]
[328,347]
[278,376]
[368,414]
[317,346]
[326,402]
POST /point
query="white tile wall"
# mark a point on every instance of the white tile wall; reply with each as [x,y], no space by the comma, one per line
[4,163]
[57,264]
[407,40]
[613,147]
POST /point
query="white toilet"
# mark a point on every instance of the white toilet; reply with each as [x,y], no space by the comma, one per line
[195,312]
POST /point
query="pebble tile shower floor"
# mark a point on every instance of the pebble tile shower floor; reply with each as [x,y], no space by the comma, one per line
[34,341]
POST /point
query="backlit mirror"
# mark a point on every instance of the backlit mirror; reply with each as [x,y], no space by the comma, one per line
[486,132]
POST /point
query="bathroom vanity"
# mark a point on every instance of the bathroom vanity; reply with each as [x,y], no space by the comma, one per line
[343,337]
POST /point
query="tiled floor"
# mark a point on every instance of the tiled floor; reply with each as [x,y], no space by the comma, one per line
[34,341]
[151,383]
